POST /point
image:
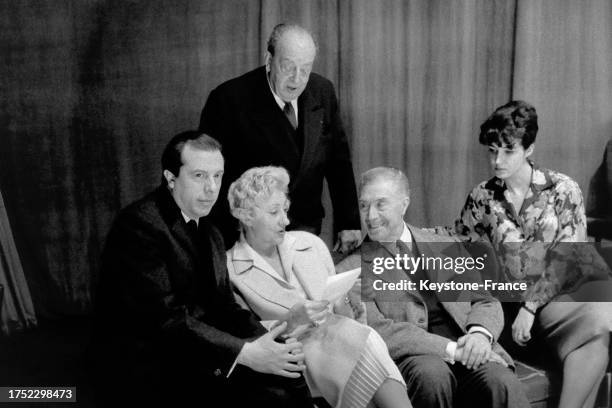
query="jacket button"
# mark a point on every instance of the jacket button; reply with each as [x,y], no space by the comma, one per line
[217,372]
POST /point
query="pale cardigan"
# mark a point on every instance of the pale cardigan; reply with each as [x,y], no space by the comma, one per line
[333,349]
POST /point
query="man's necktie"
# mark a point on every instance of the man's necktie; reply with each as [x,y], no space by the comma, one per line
[192,227]
[290,114]
[403,248]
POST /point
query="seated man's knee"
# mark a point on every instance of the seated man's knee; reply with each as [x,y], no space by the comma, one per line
[493,385]
[497,385]
[429,380]
[495,375]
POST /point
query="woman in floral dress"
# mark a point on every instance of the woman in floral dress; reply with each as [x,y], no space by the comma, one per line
[525,212]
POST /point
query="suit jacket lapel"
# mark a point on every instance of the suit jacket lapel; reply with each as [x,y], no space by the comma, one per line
[172,214]
[311,123]
[457,309]
[298,258]
[259,276]
[391,276]
[180,231]
[422,247]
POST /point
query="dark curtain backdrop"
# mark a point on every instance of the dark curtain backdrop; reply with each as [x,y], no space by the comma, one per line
[92,90]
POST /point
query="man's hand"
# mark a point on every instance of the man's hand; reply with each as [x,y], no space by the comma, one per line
[473,349]
[298,351]
[521,328]
[266,356]
[347,241]
[496,358]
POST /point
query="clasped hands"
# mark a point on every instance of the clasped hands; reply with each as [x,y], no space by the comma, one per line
[474,349]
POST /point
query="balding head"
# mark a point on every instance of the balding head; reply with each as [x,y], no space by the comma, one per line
[291,33]
[289,58]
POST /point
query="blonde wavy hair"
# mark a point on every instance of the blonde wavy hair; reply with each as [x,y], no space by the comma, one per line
[255,185]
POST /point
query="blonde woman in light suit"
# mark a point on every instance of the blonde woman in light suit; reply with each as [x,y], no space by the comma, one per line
[278,273]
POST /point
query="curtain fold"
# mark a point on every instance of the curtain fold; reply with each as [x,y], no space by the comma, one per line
[563,66]
[16,307]
[417,79]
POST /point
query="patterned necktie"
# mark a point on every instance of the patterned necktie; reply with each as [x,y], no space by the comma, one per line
[290,114]
[403,248]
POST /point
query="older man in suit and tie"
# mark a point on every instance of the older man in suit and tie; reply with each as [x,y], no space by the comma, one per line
[169,332]
[446,351]
[283,114]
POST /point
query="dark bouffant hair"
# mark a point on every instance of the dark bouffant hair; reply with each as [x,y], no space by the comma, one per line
[514,121]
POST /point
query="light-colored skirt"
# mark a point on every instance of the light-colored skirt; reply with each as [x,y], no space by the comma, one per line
[373,368]
[346,362]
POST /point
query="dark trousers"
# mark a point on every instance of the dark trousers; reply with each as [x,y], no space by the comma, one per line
[432,382]
[247,388]
[182,388]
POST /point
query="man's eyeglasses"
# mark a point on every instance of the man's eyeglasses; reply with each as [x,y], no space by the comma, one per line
[289,68]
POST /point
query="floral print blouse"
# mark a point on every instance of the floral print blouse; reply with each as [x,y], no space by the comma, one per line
[552,212]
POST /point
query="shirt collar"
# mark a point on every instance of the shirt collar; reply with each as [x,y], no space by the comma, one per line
[279,101]
[244,256]
[406,237]
[187,218]
[540,180]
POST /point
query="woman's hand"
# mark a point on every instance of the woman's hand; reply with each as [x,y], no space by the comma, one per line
[521,328]
[309,312]
[343,307]
[351,305]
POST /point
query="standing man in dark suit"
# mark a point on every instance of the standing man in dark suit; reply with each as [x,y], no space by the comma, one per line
[447,351]
[282,114]
[169,330]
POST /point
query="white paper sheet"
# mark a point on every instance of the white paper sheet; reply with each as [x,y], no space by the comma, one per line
[338,285]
